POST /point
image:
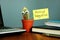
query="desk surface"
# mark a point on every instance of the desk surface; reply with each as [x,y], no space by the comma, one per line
[28,36]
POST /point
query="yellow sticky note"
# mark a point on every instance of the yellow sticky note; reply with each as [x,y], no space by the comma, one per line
[40,14]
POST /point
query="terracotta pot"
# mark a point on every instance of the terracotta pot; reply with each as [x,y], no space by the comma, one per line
[27,24]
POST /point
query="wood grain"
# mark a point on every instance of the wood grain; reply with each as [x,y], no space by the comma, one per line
[28,36]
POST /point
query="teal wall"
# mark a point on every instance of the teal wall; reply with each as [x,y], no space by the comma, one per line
[11,10]
[0,2]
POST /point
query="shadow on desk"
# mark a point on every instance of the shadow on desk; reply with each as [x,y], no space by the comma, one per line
[26,36]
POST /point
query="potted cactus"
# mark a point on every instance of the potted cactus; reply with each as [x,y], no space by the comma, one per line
[26,21]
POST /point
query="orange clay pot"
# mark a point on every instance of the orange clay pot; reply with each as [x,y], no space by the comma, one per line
[27,24]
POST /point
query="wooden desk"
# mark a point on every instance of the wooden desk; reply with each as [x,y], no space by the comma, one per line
[27,36]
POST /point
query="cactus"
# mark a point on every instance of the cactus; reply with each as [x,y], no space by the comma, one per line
[25,13]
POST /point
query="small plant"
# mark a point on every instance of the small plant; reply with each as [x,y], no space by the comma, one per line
[26,22]
[25,13]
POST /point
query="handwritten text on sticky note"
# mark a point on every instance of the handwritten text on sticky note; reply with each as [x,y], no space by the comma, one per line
[40,14]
